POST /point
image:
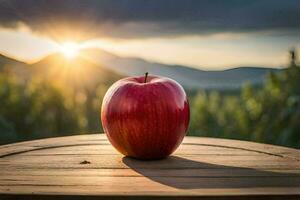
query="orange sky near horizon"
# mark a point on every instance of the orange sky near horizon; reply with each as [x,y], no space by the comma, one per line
[212,52]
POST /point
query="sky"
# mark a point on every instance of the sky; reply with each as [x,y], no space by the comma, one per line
[206,34]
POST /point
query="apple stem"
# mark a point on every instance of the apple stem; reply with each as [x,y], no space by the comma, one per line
[146,75]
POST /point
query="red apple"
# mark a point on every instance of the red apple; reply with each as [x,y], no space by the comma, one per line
[145,117]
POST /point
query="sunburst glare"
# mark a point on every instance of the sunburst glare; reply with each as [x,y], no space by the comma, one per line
[70,49]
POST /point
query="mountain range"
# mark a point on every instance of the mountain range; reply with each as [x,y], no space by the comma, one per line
[95,66]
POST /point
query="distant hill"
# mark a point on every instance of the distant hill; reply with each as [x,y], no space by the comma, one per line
[96,66]
[11,65]
[5,61]
[78,72]
[190,78]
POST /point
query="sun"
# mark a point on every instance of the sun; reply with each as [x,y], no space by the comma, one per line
[70,49]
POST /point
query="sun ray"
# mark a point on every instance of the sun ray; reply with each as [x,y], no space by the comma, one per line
[70,49]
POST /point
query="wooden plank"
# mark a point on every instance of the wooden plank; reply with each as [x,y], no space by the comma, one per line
[108,149]
[190,182]
[96,192]
[201,167]
[11,172]
[101,139]
[174,162]
[253,146]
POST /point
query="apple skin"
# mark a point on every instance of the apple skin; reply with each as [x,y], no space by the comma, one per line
[145,120]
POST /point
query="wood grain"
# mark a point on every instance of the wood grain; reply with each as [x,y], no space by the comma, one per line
[88,167]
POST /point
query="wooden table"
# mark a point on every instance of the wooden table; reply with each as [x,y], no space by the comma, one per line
[88,167]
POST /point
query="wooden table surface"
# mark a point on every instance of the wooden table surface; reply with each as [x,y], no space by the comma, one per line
[88,167]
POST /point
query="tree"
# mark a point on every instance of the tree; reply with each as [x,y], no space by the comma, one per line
[270,114]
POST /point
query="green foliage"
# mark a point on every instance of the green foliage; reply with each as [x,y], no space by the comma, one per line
[38,108]
[270,114]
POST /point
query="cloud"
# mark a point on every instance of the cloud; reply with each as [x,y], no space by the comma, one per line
[151,18]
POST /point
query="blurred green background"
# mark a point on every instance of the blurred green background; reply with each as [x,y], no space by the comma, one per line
[44,106]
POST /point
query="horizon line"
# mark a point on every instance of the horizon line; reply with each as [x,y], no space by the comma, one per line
[223,68]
